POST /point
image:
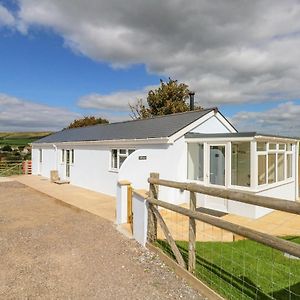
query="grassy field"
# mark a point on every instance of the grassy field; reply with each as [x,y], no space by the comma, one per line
[244,269]
[20,138]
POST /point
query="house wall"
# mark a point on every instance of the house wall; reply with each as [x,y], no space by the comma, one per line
[170,161]
[48,161]
[91,169]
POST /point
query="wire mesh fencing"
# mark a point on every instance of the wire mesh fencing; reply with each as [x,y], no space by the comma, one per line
[235,267]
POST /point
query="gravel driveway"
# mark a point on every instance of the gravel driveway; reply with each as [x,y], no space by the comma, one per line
[52,251]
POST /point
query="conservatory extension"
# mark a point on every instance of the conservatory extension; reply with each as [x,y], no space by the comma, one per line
[261,164]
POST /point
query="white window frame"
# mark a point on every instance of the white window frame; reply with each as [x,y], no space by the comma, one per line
[119,154]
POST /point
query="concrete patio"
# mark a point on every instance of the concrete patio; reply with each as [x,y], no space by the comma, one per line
[96,203]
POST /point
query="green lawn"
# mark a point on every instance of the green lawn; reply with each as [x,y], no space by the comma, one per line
[244,269]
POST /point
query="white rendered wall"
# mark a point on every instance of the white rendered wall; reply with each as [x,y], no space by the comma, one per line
[48,161]
[170,161]
[91,169]
[35,160]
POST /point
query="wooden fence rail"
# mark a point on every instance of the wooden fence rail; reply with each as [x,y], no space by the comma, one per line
[244,197]
[263,238]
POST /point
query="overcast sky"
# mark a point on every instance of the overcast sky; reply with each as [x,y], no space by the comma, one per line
[61,59]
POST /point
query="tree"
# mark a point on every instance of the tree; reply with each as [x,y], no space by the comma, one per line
[7,148]
[87,121]
[170,97]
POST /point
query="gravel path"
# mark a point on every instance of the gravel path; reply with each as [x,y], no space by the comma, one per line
[51,251]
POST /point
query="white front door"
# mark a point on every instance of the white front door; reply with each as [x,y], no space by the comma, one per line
[216,175]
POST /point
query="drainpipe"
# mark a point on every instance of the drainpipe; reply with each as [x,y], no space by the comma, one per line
[55,148]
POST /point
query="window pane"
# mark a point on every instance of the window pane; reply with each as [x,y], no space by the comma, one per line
[261,146]
[195,161]
[281,146]
[271,168]
[130,151]
[72,156]
[289,169]
[63,155]
[240,164]
[272,146]
[262,178]
[122,151]
[114,158]
[41,155]
[121,160]
[280,164]
[289,147]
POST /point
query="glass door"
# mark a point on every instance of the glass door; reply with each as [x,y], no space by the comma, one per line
[217,164]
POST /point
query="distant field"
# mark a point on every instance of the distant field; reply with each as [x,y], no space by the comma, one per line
[20,138]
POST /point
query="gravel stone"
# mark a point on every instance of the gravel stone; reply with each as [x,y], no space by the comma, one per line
[52,251]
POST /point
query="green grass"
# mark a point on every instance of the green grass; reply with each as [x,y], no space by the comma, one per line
[244,269]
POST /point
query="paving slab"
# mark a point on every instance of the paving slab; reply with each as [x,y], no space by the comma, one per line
[96,203]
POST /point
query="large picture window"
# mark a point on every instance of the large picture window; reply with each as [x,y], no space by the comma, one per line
[195,161]
[118,156]
[240,163]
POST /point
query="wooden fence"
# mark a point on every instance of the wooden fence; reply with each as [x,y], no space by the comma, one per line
[155,218]
[15,167]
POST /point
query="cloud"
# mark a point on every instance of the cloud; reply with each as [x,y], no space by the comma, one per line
[21,115]
[6,18]
[114,101]
[281,120]
[227,51]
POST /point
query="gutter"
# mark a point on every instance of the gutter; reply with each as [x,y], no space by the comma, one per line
[148,141]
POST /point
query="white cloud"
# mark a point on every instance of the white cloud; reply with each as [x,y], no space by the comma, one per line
[21,115]
[228,51]
[281,120]
[6,18]
[114,101]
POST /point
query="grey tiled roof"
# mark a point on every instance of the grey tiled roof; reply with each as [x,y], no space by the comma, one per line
[158,127]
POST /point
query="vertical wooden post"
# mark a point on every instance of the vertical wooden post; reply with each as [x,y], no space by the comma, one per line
[129,204]
[192,235]
[26,167]
[152,220]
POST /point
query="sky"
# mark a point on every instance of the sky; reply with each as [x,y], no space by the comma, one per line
[61,59]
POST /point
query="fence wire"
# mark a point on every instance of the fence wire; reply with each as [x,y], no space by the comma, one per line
[235,267]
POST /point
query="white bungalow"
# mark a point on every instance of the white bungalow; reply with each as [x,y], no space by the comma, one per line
[200,146]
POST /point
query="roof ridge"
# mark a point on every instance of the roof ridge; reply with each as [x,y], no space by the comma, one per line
[151,118]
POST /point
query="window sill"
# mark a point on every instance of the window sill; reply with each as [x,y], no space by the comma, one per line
[113,170]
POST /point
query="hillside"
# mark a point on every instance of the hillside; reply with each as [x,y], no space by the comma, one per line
[20,138]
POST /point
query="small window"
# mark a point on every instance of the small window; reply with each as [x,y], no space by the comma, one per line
[289,147]
[272,146]
[271,168]
[281,146]
[289,166]
[122,151]
[41,155]
[72,156]
[261,146]
[114,158]
[63,155]
[262,169]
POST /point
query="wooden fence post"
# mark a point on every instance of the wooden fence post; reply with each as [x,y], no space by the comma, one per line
[152,220]
[192,235]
